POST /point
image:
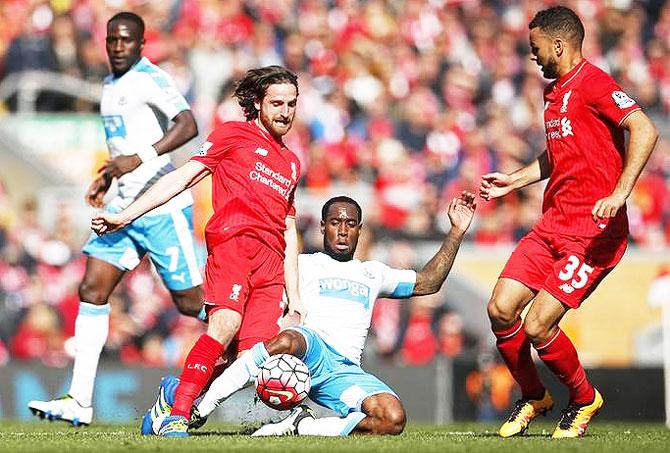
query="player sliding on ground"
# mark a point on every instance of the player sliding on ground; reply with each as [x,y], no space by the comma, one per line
[339,293]
[582,233]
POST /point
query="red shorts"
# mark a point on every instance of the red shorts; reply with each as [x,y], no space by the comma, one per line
[569,268]
[244,275]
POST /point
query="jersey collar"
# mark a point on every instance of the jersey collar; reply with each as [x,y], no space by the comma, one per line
[570,76]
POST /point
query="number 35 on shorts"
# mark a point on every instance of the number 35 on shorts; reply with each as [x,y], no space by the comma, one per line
[575,274]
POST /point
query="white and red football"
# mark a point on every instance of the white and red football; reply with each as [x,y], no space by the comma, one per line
[283,382]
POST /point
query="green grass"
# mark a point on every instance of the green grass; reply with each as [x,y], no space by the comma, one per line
[462,437]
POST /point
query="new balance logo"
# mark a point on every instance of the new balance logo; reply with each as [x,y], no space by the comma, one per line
[567,288]
[566,127]
[235,293]
[262,151]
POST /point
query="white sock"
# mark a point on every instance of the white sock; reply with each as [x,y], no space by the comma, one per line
[330,426]
[90,335]
[240,373]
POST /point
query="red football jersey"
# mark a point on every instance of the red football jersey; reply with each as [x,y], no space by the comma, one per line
[253,184]
[583,112]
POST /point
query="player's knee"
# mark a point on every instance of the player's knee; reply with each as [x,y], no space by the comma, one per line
[536,331]
[287,342]
[387,414]
[92,293]
[394,420]
[498,315]
[223,325]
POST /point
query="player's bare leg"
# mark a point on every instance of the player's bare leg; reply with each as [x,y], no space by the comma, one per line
[91,329]
[508,300]
[385,415]
[560,356]
[189,301]
[287,342]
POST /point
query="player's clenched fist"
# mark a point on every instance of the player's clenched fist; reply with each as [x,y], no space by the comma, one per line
[107,222]
[461,210]
[494,185]
[608,207]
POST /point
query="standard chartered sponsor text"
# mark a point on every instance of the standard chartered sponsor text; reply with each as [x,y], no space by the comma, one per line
[275,180]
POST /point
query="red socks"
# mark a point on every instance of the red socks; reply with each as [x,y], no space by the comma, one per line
[514,347]
[560,356]
[198,369]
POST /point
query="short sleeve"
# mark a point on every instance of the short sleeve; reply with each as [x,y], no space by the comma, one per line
[609,100]
[217,146]
[162,93]
[396,283]
[295,168]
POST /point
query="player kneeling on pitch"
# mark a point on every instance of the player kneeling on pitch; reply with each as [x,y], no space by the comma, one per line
[339,292]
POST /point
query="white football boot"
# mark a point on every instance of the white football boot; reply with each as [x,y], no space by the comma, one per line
[287,426]
[64,408]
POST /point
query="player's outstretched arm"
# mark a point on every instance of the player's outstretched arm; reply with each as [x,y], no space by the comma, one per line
[183,130]
[643,137]
[496,184]
[429,280]
[163,190]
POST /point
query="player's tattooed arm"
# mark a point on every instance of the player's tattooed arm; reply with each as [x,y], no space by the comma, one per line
[641,142]
[183,130]
[429,280]
[496,184]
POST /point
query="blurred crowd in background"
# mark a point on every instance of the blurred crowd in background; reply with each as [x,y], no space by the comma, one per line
[403,104]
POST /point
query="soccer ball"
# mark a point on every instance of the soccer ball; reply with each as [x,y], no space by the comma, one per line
[283,382]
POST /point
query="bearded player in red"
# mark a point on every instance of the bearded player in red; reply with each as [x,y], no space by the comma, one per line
[581,235]
[251,237]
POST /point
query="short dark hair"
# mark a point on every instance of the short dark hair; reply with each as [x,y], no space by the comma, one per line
[342,199]
[560,21]
[255,83]
[130,17]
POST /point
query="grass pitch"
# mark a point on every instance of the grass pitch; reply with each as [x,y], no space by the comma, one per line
[462,437]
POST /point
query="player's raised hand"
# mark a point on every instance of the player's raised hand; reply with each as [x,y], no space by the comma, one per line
[495,185]
[107,222]
[461,210]
[121,165]
[607,207]
[97,190]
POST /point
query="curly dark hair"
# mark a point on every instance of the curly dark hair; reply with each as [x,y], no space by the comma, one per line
[255,83]
[560,21]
